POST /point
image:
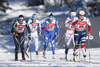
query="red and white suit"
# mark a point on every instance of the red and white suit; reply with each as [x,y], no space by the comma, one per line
[80,33]
[33,28]
[69,35]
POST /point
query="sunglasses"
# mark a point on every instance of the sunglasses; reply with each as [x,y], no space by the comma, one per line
[50,18]
[81,15]
[34,18]
[21,19]
[73,16]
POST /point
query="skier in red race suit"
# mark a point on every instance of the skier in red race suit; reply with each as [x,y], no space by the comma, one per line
[18,35]
[80,32]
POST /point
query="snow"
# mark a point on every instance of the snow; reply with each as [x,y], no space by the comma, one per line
[7,57]
[7,46]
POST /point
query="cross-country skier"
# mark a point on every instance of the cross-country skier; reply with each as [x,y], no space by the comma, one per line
[49,27]
[69,31]
[80,32]
[18,35]
[33,25]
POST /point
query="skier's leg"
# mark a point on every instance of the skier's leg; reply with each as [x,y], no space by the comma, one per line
[22,46]
[77,41]
[16,41]
[46,39]
[36,44]
[83,41]
[67,41]
[52,34]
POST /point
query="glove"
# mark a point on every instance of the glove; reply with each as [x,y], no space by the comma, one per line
[16,35]
[29,37]
[45,28]
[89,33]
[56,35]
[79,20]
[40,33]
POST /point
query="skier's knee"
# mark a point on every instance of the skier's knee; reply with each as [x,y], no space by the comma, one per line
[76,46]
[82,45]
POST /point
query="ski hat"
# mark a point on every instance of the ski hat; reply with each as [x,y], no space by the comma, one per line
[34,16]
[51,17]
[73,14]
[21,17]
[82,12]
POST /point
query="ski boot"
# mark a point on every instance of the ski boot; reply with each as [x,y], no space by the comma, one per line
[75,57]
[37,54]
[53,56]
[66,57]
[85,58]
[44,54]
[23,56]
[16,57]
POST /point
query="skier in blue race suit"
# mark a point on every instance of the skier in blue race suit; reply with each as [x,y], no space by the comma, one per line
[49,27]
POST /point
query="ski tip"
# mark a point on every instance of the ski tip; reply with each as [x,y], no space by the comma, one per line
[86,61]
[54,57]
[44,57]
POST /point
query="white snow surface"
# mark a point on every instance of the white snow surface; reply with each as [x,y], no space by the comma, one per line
[7,47]
[7,57]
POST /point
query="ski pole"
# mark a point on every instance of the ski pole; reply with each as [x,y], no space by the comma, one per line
[79,50]
[89,46]
[30,52]
[69,38]
[60,40]
[26,52]
[61,24]
[6,29]
[39,52]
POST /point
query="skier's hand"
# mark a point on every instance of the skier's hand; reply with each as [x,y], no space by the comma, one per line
[79,20]
[15,35]
[45,28]
[89,33]
[40,33]
[29,37]
[56,35]
[68,22]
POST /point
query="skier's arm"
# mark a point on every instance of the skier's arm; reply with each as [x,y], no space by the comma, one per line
[89,26]
[75,22]
[28,29]
[43,25]
[57,25]
[67,21]
[39,25]
[13,27]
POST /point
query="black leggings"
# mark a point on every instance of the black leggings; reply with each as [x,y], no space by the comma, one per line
[19,41]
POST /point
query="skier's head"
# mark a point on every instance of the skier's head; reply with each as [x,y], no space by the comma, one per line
[21,18]
[73,14]
[81,14]
[51,17]
[34,17]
